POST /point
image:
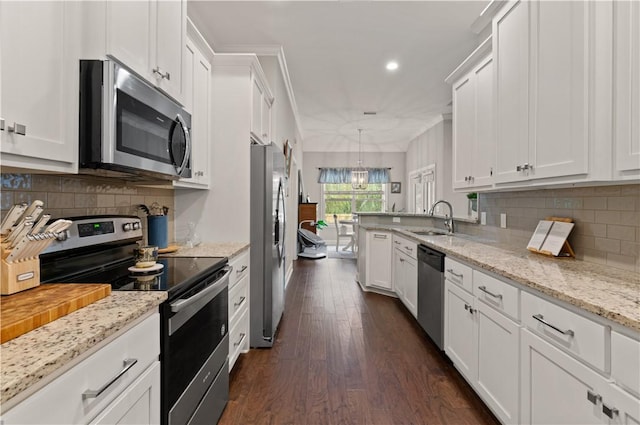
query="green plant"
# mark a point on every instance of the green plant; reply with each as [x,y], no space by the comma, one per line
[472,195]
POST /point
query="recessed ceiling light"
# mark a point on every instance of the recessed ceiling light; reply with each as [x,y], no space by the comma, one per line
[392,66]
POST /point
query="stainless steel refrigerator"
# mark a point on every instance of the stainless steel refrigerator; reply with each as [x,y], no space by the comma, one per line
[267,243]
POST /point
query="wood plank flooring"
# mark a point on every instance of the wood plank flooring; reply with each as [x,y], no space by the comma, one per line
[343,356]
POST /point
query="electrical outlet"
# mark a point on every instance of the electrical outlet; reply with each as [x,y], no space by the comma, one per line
[483,218]
[503,220]
[396,219]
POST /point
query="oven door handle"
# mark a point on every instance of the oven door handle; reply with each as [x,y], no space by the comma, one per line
[213,289]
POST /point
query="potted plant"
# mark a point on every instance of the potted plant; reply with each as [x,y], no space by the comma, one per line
[473,202]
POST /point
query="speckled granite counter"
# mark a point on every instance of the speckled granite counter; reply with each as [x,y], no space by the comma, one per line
[605,291]
[30,358]
[221,249]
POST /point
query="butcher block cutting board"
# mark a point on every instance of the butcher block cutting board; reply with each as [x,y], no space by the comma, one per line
[30,309]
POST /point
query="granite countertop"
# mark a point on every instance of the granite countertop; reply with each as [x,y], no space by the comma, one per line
[605,291]
[211,249]
[30,358]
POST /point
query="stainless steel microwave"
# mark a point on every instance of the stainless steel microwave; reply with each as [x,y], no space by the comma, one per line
[128,127]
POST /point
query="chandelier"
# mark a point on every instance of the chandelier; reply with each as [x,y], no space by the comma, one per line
[359,175]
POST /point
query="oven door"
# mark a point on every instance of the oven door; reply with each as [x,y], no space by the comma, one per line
[195,347]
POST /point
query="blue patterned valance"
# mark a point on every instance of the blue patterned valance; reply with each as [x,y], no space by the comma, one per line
[343,175]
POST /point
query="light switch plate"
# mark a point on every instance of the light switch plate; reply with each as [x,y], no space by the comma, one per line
[396,219]
[483,218]
[503,220]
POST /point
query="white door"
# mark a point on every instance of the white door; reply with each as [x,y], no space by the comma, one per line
[559,137]
[498,362]
[460,330]
[410,279]
[619,407]
[379,260]
[129,34]
[511,61]
[484,154]
[257,94]
[464,130]
[169,39]
[555,388]
[398,275]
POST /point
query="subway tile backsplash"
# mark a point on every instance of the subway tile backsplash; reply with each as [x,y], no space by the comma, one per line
[607,218]
[71,196]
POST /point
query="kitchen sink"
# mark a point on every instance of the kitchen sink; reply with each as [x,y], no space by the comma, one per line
[430,233]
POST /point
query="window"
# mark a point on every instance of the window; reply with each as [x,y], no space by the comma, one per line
[340,199]
[422,189]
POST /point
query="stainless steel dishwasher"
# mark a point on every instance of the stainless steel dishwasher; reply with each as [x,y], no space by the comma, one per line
[431,293]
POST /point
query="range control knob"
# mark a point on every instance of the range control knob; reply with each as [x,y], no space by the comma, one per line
[136,225]
[126,227]
[63,236]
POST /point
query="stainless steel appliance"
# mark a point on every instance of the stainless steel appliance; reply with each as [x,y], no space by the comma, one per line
[194,319]
[267,243]
[431,293]
[128,126]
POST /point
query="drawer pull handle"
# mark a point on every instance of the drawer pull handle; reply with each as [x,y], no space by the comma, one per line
[468,308]
[239,303]
[245,267]
[378,236]
[455,274]
[593,397]
[396,242]
[20,129]
[237,344]
[609,411]
[540,318]
[128,364]
[484,289]
[408,249]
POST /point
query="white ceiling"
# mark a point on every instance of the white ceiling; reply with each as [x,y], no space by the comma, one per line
[336,53]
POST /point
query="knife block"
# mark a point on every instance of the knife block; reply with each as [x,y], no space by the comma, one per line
[19,276]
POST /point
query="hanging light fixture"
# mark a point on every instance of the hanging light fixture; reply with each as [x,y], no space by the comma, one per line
[359,175]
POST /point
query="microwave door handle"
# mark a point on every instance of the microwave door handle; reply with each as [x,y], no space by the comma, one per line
[179,121]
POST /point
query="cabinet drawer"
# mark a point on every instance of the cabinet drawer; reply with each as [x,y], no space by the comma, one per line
[625,363]
[62,402]
[458,273]
[407,246]
[499,295]
[238,299]
[240,265]
[576,334]
[239,338]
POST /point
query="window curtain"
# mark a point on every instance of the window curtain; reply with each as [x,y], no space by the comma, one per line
[343,175]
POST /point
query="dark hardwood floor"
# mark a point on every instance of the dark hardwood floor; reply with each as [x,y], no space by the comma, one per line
[343,356]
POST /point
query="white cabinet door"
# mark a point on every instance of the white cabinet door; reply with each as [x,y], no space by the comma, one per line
[511,57]
[170,37]
[460,330]
[556,388]
[139,404]
[464,126]
[266,119]
[379,259]
[627,87]
[619,407]
[197,90]
[257,95]
[398,273]
[559,88]
[410,279]
[484,153]
[498,362]
[130,29]
[39,74]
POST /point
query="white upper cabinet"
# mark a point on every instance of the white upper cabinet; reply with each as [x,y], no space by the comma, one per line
[627,88]
[38,74]
[542,54]
[261,102]
[197,100]
[473,135]
[148,37]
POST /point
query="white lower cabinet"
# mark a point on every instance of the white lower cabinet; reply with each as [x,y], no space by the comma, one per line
[378,261]
[238,307]
[405,273]
[460,330]
[119,383]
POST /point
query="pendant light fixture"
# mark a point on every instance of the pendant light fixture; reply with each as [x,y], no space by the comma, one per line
[359,175]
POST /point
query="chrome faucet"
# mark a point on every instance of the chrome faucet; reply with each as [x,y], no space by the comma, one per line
[448,219]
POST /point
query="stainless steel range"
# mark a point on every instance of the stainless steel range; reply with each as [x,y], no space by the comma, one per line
[194,326]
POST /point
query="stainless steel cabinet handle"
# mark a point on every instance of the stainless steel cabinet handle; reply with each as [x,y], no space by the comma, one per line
[593,397]
[239,303]
[18,129]
[540,318]
[236,344]
[484,289]
[609,411]
[455,274]
[468,308]
[401,260]
[408,249]
[1,124]
[396,242]
[161,74]
[242,269]
[378,236]
[128,364]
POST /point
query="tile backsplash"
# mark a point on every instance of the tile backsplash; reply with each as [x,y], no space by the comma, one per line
[607,219]
[70,195]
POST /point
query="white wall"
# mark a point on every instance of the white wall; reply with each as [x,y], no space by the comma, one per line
[315,160]
[434,146]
